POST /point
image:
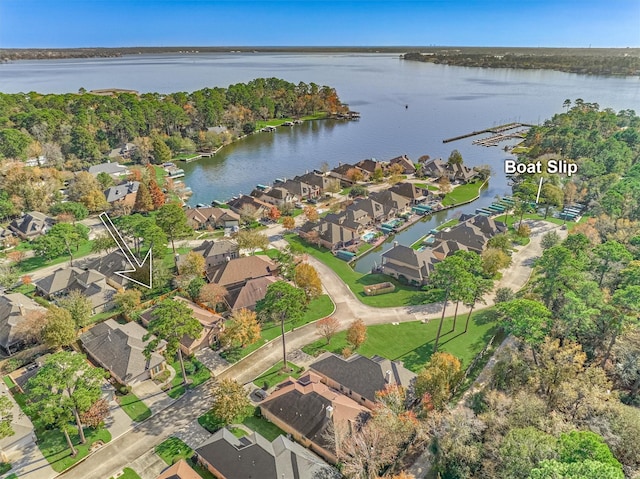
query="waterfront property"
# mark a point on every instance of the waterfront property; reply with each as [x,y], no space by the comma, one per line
[408,265]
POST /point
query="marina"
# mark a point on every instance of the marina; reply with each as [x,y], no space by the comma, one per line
[497,130]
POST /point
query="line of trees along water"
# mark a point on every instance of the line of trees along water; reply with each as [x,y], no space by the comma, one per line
[76,130]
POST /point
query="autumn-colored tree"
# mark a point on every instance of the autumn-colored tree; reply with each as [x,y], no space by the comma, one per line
[30,328]
[274,214]
[396,169]
[230,402]
[288,222]
[393,397]
[143,202]
[444,184]
[493,260]
[328,327]
[438,378]
[60,329]
[306,278]
[128,301]
[311,213]
[355,175]
[192,264]
[357,333]
[252,240]
[16,256]
[26,279]
[96,414]
[212,294]
[241,330]
[157,196]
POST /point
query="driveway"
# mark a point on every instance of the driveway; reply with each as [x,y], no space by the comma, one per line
[212,360]
[151,394]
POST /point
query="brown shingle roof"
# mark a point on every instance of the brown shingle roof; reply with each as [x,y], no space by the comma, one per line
[240,269]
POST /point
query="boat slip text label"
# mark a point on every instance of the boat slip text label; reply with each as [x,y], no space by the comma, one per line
[552,166]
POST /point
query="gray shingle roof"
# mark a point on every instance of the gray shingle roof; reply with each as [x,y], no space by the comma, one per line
[14,309]
[119,348]
[118,192]
[362,375]
[108,168]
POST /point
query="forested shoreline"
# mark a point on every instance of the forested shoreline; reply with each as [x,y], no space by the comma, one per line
[76,130]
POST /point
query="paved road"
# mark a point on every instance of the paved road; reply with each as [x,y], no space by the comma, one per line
[123,451]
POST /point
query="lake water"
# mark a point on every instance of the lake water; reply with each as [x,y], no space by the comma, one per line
[407,108]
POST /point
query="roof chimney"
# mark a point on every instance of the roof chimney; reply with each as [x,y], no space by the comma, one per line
[387,377]
[329,412]
[23,312]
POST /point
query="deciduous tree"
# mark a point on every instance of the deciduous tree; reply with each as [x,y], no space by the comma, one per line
[79,306]
[288,222]
[241,330]
[60,328]
[172,320]
[357,333]
[172,220]
[311,213]
[128,301]
[328,327]
[192,264]
[230,402]
[438,378]
[212,294]
[307,279]
[526,319]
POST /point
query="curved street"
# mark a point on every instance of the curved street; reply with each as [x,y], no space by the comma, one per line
[120,452]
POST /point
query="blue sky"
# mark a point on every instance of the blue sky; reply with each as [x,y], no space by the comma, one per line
[114,23]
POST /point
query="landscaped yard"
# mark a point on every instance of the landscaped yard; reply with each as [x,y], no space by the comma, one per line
[275,375]
[37,262]
[128,473]
[263,427]
[403,295]
[197,373]
[461,194]
[512,218]
[54,448]
[318,308]
[412,342]
[134,407]
[172,450]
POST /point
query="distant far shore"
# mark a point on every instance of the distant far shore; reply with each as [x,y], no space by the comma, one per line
[12,54]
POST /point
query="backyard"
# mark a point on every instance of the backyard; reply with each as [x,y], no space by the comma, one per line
[462,193]
[412,342]
[255,422]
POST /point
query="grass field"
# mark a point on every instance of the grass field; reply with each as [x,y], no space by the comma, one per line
[37,262]
[318,308]
[134,407]
[275,375]
[198,375]
[172,450]
[412,342]
[461,194]
[54,448]
[402,296]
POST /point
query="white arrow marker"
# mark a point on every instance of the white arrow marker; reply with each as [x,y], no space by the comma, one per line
[137,268]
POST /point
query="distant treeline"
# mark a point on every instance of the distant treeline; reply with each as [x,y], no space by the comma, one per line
[619,62]
[83,127]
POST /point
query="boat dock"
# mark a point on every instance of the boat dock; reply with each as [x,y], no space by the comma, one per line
[495,139]
[496,130]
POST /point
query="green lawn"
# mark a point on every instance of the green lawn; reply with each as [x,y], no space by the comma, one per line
[412,342]
[210,422]
[461,193]
[134,407]
[238,432]
[9,382]
[172,450]
[11,476]
[530,216]
[275,375]
[280,121]
[128,473]
[160,175]
[427,186]
[197,373]
[169,260]
[318,308]
[263,427]
[54,448]
[26,289]
[37,262]
[402,296]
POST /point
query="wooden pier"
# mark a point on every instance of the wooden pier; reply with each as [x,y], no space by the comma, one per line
[496,130]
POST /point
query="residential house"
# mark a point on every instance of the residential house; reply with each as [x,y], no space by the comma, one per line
[408,168]
[353,218]
[276,196]
[300,189]
[31,225]
[119,348]
[473,233]
[369,167]
[392,203]
[332,236]
[108,266]
[435,168]
[360,377]
[462,173]
[238,271]
[113,169]
[124,193]
[310,411]
[229,457]
[212,325]
[212,217]
[15,308]
[320,181]
[250,206]
[408,265]
[248,294]
[340,173]
[180,470]
[123,152]
[90,283]
[371,207]
[6,237]
[411,191]
[217,252]
[445,248]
